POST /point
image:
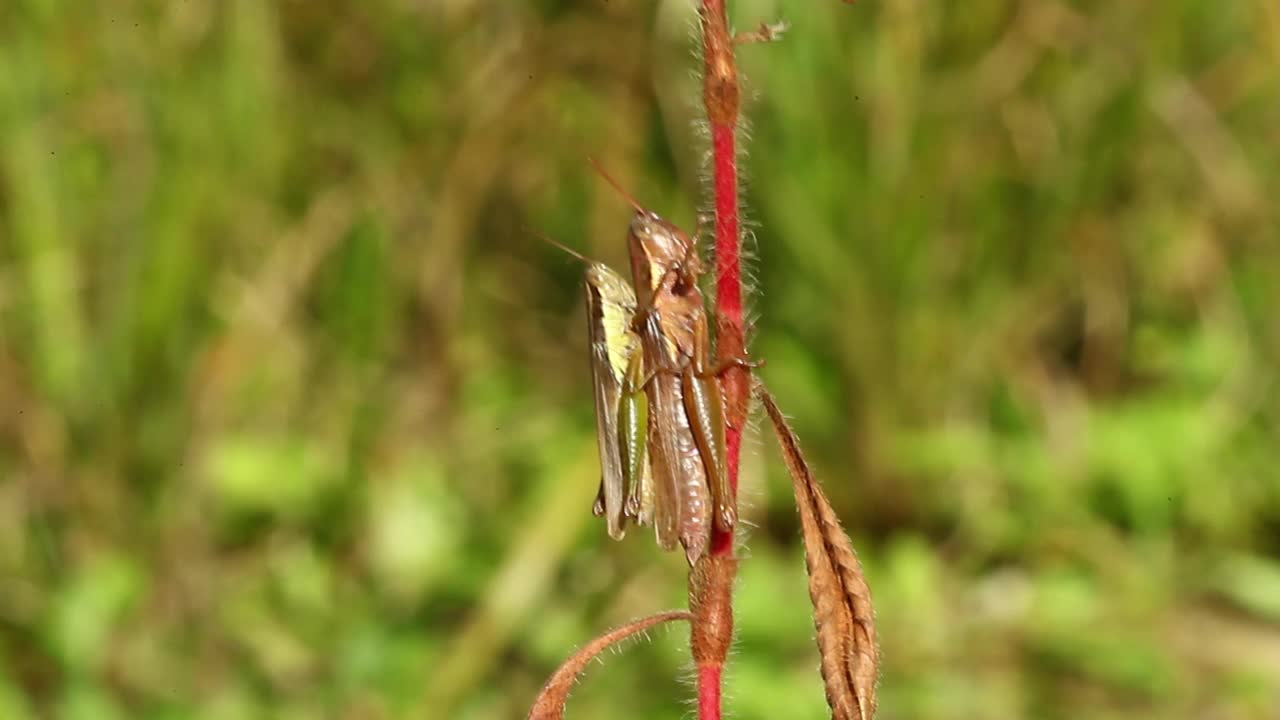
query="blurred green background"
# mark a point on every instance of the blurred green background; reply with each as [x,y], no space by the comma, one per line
[294,411]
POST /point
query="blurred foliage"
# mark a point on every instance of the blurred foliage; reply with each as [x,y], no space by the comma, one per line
[294,412]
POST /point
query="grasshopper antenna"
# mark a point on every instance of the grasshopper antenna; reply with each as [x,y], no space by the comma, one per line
[616,185]
[556,243]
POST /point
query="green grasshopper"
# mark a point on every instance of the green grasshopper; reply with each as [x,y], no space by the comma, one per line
[622,408]
[659,409]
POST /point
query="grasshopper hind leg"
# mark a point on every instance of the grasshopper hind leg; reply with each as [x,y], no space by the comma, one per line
[704,405]
[633,429]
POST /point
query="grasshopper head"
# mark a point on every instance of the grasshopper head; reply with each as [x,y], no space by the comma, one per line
[657,246]
[610,287]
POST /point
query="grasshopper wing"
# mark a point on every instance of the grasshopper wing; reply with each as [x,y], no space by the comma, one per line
[610,308]
[682,500]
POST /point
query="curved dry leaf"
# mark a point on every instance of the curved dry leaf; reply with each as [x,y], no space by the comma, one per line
[551,701]
[842,609]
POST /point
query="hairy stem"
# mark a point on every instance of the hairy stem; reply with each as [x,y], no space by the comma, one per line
[551,701]
[711,584]
[709,691]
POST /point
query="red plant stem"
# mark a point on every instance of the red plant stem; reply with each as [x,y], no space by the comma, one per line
[729,307]
[709,691]
[711,584]
[721,94]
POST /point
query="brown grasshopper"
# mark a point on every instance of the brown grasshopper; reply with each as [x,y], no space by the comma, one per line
[659,409]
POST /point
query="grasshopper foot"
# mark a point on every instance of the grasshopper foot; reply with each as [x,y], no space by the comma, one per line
[741,361]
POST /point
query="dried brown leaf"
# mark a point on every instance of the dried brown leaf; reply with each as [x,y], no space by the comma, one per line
[842,610]
[551,701]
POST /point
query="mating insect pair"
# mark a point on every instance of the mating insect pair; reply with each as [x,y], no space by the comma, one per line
[659,407]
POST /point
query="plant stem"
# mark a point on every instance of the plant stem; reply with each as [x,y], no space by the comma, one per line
[730,342]
[709,691]
[721,95]
[710,591]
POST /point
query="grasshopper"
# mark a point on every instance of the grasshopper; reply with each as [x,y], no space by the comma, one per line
[686,426]
[622,408]
[659,407]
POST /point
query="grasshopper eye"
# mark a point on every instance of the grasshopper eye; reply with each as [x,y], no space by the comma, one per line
[683,284]
[640,226]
